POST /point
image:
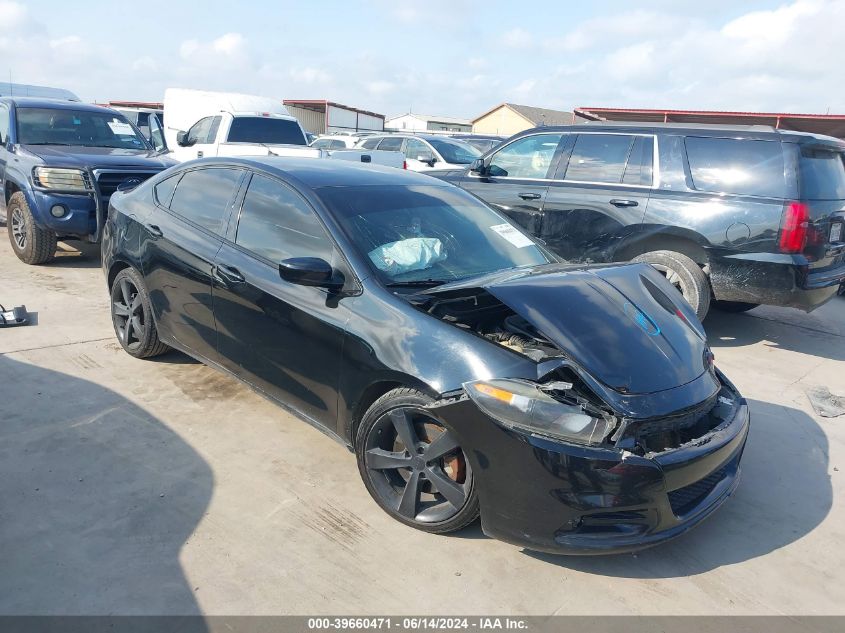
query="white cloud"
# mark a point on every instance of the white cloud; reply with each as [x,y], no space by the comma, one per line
[714,57]
[12,15]
[518,38]
[380,87]
[310,75]
[228,50]
[229,44]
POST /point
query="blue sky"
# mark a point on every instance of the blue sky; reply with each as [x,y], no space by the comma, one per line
[447,57]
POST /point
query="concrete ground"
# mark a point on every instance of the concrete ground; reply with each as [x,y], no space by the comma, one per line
[163,487]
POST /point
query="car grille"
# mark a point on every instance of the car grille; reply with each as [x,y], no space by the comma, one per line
[109,181]
[687,498]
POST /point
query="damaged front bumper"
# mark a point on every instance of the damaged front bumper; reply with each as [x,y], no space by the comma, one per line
[547,495]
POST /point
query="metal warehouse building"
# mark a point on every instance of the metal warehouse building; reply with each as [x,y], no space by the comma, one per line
[829,124]
[321,117]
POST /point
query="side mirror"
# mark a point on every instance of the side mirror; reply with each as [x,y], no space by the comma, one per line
[427,159]
[478,167]
[182,139]
[309,271]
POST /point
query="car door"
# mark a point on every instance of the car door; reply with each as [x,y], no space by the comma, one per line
[283,338]
[199,140]
[515,180]
[419,155]
[4,153]
[181,239]
[598,194]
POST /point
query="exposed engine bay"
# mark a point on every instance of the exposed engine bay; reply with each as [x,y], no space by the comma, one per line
[483,314]
[486,316]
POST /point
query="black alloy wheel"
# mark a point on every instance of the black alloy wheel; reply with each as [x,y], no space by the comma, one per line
[132,316]
[414,467]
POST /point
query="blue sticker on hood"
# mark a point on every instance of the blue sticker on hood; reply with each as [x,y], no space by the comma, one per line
[645,322]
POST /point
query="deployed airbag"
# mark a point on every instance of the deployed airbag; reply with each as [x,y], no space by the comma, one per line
[405,256]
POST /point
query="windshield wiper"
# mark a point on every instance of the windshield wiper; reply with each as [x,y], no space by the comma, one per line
[59,144]
[419,283]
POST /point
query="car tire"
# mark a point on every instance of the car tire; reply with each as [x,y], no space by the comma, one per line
[389,471]
[734,306]
[132,316]
[683,273]
[31,244]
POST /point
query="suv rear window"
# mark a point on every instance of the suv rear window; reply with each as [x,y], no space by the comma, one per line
[729,165]
[822,173]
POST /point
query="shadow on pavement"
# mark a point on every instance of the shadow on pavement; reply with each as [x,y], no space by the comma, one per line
[76,254]
[97,499]
[780,328]
[785,492]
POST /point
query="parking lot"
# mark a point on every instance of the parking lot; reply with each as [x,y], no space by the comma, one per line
[165,487]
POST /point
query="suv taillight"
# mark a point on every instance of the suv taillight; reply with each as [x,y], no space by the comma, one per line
[794,227]
[404,164]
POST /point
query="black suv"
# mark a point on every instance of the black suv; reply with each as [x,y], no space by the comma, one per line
[744,215]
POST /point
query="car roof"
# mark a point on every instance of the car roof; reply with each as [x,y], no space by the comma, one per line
[54,104]
[325,172]
[754,132]
[427,137]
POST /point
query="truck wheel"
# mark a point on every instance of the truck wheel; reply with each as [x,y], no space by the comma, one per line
[31,244]
[684,274]
[734,306]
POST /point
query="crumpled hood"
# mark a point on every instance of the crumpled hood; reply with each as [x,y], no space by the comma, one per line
[624,324]
[99,157]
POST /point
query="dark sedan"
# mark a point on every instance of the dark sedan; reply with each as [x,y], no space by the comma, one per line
[575,408]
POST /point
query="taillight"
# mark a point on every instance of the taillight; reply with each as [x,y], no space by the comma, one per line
[404,164]
[794,227]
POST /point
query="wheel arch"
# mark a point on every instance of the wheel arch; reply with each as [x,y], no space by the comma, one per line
[677,239]
[115,269]
[376,390]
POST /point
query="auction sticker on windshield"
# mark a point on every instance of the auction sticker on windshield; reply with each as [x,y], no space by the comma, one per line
[121,128]
[512,235]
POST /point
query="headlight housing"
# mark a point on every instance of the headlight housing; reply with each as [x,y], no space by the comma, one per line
[523,406]
[61,178]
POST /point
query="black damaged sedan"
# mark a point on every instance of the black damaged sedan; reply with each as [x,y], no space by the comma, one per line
[575,408]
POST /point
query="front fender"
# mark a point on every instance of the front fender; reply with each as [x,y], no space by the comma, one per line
[21,183]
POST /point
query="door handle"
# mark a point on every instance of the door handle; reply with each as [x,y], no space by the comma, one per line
[529,196]
[154,230]
[230,275]
[616,202]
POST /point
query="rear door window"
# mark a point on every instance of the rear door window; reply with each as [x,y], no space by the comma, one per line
[822,174]
[391,144]
[164,190]
[640,165]
[740,166]
[203,196]
[600,158]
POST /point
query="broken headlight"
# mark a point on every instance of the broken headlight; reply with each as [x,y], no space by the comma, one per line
[523,406]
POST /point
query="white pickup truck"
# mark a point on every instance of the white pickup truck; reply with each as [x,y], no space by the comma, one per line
[201,124]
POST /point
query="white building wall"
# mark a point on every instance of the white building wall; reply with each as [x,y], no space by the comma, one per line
[406,122]
[367,122]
